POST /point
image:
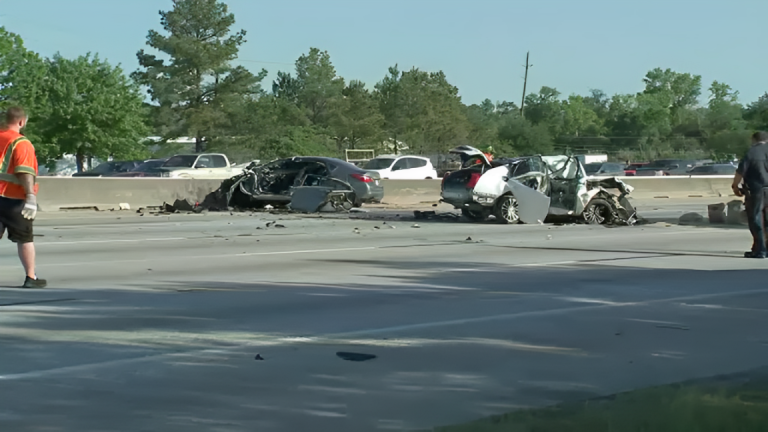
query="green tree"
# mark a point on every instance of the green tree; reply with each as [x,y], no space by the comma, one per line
[319,88]
[672,90]
[22,77]
[521,138]
[423,109]
[544,108]
[756,113]
[579,119]
[286,87]
[356,120]
[725,112]
[94,110]
[392,104]
[198,81]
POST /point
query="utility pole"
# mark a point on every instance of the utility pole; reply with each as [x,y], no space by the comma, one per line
[525,81]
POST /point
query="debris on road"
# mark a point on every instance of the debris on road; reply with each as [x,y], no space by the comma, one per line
[124,206]
[415,226]
[258,357]
[691,219]
[357,357]
[672,327]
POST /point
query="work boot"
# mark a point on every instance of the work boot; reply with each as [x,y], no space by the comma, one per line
[34,283]
[752,254]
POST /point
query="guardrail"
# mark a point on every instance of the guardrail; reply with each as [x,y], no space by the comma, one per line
[104,193]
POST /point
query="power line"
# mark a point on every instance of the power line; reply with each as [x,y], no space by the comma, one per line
[264,61]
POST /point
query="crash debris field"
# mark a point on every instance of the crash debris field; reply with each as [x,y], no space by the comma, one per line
[367,321]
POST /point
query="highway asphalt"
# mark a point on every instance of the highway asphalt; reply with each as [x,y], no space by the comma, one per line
[155,323]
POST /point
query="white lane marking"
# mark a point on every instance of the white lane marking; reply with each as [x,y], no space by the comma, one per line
[370,332]
[185,258]
[110,241]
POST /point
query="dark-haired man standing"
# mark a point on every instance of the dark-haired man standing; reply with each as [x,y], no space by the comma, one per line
[18,190]
[753,171]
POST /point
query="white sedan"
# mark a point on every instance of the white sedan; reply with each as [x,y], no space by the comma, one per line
[402,167]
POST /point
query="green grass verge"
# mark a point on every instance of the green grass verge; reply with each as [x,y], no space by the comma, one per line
[726,406]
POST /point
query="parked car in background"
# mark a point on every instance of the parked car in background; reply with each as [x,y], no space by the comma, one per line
[714,169]
[605,169]
[665,167]
[632,168]
[109,169]
[148,168]
[198,166]
[402,167]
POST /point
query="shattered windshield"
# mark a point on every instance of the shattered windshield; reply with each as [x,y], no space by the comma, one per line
[181,161]
[379,163]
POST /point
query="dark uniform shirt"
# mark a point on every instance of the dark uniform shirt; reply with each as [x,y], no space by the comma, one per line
[754,167]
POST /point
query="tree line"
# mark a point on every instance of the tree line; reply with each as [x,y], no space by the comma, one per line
[186,85]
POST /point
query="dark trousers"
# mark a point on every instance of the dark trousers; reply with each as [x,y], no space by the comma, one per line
[756,203]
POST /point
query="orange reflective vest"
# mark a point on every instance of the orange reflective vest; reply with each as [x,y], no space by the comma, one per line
[17,156]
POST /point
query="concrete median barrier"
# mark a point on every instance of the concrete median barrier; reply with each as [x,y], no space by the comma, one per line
[105,193]
[680,186]
[410,192]
[58,193]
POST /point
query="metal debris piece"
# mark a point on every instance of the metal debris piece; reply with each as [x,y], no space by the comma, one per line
[672,327]
[258,357]
[357,357]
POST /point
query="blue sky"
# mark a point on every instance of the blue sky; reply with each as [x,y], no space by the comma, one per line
[575,45]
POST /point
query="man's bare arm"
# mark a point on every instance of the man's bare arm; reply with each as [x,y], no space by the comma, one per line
[735,185]
[27,182]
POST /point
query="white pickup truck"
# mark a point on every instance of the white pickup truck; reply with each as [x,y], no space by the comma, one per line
[198,166]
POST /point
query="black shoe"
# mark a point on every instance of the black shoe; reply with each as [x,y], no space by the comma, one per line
[751,254]
[34,283]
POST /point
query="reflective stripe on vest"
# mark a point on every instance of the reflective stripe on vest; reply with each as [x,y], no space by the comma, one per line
[8,156]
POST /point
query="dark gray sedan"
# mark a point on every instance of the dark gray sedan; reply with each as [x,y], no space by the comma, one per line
[273,183]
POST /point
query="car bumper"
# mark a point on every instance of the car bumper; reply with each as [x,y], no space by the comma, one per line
[372,193]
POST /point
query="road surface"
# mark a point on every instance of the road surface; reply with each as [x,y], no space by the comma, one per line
[155,322]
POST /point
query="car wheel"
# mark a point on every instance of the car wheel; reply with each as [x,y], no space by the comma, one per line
[598,212]
[474,215]
[505,210]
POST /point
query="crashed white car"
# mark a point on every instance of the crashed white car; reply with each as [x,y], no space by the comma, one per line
[529,189]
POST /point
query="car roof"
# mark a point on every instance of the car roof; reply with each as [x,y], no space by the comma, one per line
[400,156]
[325,159]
